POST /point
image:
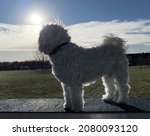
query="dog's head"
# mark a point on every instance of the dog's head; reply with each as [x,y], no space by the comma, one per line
[52,36]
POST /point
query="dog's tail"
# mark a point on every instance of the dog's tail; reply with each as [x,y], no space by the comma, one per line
[115,41]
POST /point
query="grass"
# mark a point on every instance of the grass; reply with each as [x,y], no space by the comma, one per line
[42,84]
[28,84]
[140,81]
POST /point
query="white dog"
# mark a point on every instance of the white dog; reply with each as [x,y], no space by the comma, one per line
[75,66]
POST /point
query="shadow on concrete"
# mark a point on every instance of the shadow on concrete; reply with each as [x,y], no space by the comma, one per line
[126,107]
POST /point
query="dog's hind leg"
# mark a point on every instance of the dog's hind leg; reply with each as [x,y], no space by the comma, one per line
[77,101]
[108,82]
[121,77]
[67,98]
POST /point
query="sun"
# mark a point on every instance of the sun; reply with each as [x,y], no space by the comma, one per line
[36,19]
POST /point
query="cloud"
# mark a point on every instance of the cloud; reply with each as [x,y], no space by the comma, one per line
[18,37]
[25,37]
[134,32]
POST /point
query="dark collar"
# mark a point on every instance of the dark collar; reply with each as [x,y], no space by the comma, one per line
[55,50]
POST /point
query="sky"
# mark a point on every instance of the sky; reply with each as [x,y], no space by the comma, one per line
[86,20]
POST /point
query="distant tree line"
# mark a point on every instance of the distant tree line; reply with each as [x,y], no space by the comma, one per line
[139,59]
[25,65]
[43,63]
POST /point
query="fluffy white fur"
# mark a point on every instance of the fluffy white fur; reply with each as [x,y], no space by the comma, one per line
[75,66]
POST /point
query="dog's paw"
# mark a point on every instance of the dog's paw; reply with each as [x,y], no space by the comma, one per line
[67,106]
[72,110]
[68,109]
[107,98]
[77,108]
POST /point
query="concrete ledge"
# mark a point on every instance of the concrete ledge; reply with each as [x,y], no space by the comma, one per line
[56,105]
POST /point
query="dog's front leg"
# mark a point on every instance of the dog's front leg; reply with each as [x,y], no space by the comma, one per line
[77,101]
[67,98]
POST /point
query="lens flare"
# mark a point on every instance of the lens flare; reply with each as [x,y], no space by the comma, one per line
[36,19]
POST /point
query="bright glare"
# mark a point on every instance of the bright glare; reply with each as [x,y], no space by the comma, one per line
[36,19]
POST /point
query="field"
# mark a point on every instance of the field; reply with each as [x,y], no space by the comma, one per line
[42,84]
